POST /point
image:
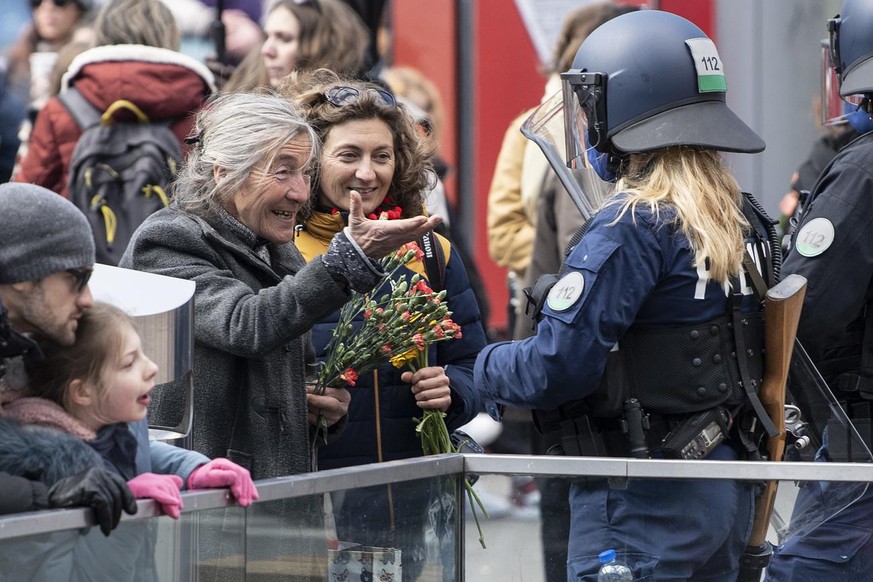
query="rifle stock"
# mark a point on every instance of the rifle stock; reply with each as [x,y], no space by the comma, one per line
[782,307]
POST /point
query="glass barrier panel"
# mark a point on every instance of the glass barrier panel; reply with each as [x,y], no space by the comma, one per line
[411,520]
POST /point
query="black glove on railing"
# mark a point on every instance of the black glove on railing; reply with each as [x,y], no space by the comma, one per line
[104,491]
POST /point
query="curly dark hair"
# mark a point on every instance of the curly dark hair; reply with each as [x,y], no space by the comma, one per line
[413,172]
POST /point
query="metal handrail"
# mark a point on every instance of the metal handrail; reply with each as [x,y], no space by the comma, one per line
[42,522]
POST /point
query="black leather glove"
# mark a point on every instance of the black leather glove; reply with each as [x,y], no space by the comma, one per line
[104,491]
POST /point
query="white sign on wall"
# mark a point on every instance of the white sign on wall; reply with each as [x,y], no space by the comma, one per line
[543,20]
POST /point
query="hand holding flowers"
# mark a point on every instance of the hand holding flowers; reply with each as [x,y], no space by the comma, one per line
[331,406]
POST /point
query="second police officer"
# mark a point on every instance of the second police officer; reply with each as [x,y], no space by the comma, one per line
[833,249]
[639,337]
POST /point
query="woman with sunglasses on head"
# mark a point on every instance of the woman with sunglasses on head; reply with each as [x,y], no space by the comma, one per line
[371,148]
[230,228]
[303,35]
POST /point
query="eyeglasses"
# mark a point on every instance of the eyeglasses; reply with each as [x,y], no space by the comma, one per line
[34,4]
[342,95]
[81,278]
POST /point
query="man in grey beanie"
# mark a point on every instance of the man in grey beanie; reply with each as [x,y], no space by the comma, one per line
[46,257]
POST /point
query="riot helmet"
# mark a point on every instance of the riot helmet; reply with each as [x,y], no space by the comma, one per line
[851,46]
[648,80]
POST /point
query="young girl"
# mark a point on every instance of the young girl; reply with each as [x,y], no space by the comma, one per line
[98,389]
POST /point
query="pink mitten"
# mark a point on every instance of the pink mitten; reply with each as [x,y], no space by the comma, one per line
[165,489]
[223,473]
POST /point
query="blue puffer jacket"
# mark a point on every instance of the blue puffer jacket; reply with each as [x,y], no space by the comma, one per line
[380,420]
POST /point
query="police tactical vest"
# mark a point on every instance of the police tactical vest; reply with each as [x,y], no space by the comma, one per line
[718,366]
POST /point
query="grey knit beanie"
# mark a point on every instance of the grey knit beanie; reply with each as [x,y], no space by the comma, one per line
[41,233]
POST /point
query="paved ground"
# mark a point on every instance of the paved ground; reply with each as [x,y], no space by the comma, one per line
[512,537]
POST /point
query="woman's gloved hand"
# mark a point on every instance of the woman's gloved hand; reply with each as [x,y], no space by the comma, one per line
[223,473]
[165,489]
[100,489]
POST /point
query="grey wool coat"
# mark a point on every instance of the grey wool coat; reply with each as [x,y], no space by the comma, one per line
[252,347]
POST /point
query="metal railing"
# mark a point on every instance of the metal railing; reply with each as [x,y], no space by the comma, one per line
[20,525]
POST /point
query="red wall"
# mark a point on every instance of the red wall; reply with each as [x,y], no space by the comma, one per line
[425,37]
[700,12]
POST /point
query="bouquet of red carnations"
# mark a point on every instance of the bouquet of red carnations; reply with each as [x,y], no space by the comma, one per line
[400,319]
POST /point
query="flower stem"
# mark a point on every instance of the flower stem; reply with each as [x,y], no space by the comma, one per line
[471,497]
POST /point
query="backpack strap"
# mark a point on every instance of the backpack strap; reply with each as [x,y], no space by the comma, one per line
[85,114]
[434,261]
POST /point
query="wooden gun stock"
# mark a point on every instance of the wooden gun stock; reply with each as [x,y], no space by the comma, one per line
[782,307]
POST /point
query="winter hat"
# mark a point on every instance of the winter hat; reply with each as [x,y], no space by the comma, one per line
[41,233]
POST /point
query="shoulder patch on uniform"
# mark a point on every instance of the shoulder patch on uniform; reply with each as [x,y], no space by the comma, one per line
[815,237]
[566,292]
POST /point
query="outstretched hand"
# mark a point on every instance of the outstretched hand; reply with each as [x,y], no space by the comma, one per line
[377,238]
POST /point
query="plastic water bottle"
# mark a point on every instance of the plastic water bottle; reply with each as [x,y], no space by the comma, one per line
[611,570]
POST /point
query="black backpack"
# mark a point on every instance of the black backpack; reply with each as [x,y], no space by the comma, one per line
[119,171]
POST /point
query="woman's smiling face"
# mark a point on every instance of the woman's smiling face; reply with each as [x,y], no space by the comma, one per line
[270,198]
[357,155]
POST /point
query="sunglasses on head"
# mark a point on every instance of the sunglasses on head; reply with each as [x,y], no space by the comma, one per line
[34,4]
[342,95]
[81,278]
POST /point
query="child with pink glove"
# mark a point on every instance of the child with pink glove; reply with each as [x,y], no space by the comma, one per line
[98,389]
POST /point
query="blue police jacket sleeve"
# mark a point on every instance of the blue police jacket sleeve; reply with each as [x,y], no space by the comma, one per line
[833,249]
[608,278]
[459,355]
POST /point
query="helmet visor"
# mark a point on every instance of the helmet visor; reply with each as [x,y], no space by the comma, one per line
[834,108]
[585,120]
[546,127]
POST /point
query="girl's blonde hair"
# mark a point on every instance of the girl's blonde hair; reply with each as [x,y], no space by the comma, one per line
[98,343]
[705,195]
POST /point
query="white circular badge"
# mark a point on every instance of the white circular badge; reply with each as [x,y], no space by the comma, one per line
[815,237]
[566,292]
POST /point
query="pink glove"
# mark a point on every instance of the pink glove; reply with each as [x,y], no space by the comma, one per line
[165,489]
[223,473]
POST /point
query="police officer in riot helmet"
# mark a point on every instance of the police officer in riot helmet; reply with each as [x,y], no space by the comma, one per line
[649,344]
[833,249]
